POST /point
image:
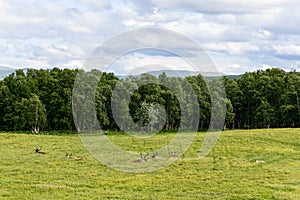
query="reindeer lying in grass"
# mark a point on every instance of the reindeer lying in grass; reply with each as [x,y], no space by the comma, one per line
[154,156]
[38,150]
[259,161]
[143,158]
[70,156]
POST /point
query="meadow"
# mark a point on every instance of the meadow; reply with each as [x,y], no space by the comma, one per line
[245,164]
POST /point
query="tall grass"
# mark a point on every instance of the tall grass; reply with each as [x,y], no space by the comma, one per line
[230,171]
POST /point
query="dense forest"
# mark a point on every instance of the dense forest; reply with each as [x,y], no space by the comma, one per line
[42,100]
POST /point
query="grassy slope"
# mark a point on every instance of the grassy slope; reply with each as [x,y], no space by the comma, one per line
[229,172]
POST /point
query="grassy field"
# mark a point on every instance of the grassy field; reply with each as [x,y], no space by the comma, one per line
[230,171]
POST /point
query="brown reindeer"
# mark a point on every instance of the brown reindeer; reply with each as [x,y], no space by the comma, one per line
[38,150]
[70,156]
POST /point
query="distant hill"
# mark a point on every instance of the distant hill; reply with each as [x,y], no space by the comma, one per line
[181,74]
[5,71]
[234,76]
[184,73]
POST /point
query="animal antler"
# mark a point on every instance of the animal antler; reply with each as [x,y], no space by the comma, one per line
[143,158]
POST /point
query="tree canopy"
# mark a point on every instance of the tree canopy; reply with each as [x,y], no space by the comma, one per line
[42,100]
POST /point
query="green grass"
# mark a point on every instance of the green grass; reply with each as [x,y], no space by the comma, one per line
[228,172]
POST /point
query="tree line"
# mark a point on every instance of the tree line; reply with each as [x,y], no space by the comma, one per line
[38,100]
[264,99]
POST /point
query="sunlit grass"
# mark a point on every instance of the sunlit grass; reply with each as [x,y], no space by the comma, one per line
[230,171]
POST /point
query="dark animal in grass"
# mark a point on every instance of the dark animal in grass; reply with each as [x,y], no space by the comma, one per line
[70,156]
[156,156]
[38,150]
[143,158]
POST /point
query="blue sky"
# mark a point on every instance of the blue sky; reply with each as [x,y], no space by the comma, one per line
[238,35]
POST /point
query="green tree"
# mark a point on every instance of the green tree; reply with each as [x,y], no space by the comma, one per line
[229,114]
[30,114]
[235,95]
[36,114]
[264,114]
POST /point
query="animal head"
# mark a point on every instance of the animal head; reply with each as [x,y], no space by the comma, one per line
[38,150]
[68,155]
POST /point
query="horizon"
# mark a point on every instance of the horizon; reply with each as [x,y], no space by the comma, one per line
[203,73]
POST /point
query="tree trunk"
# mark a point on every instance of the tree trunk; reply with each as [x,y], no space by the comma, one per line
[297,98]
[224,128]
[36,128]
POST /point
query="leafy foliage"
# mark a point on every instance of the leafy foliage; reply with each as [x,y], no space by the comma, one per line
[42,100]
[265,99]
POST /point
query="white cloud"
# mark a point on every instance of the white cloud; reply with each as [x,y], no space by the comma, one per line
[239,35]
[139,63]
[232,48]
[221,6]
[287,49]
[96,4]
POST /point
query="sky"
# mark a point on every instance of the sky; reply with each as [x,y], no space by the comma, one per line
[238,36]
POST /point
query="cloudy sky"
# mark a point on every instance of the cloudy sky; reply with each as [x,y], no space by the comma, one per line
[237,35]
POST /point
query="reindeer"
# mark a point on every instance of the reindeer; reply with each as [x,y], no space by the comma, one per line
[70,156]
[174,154]
[156,156]
[38,150]
[143,158]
